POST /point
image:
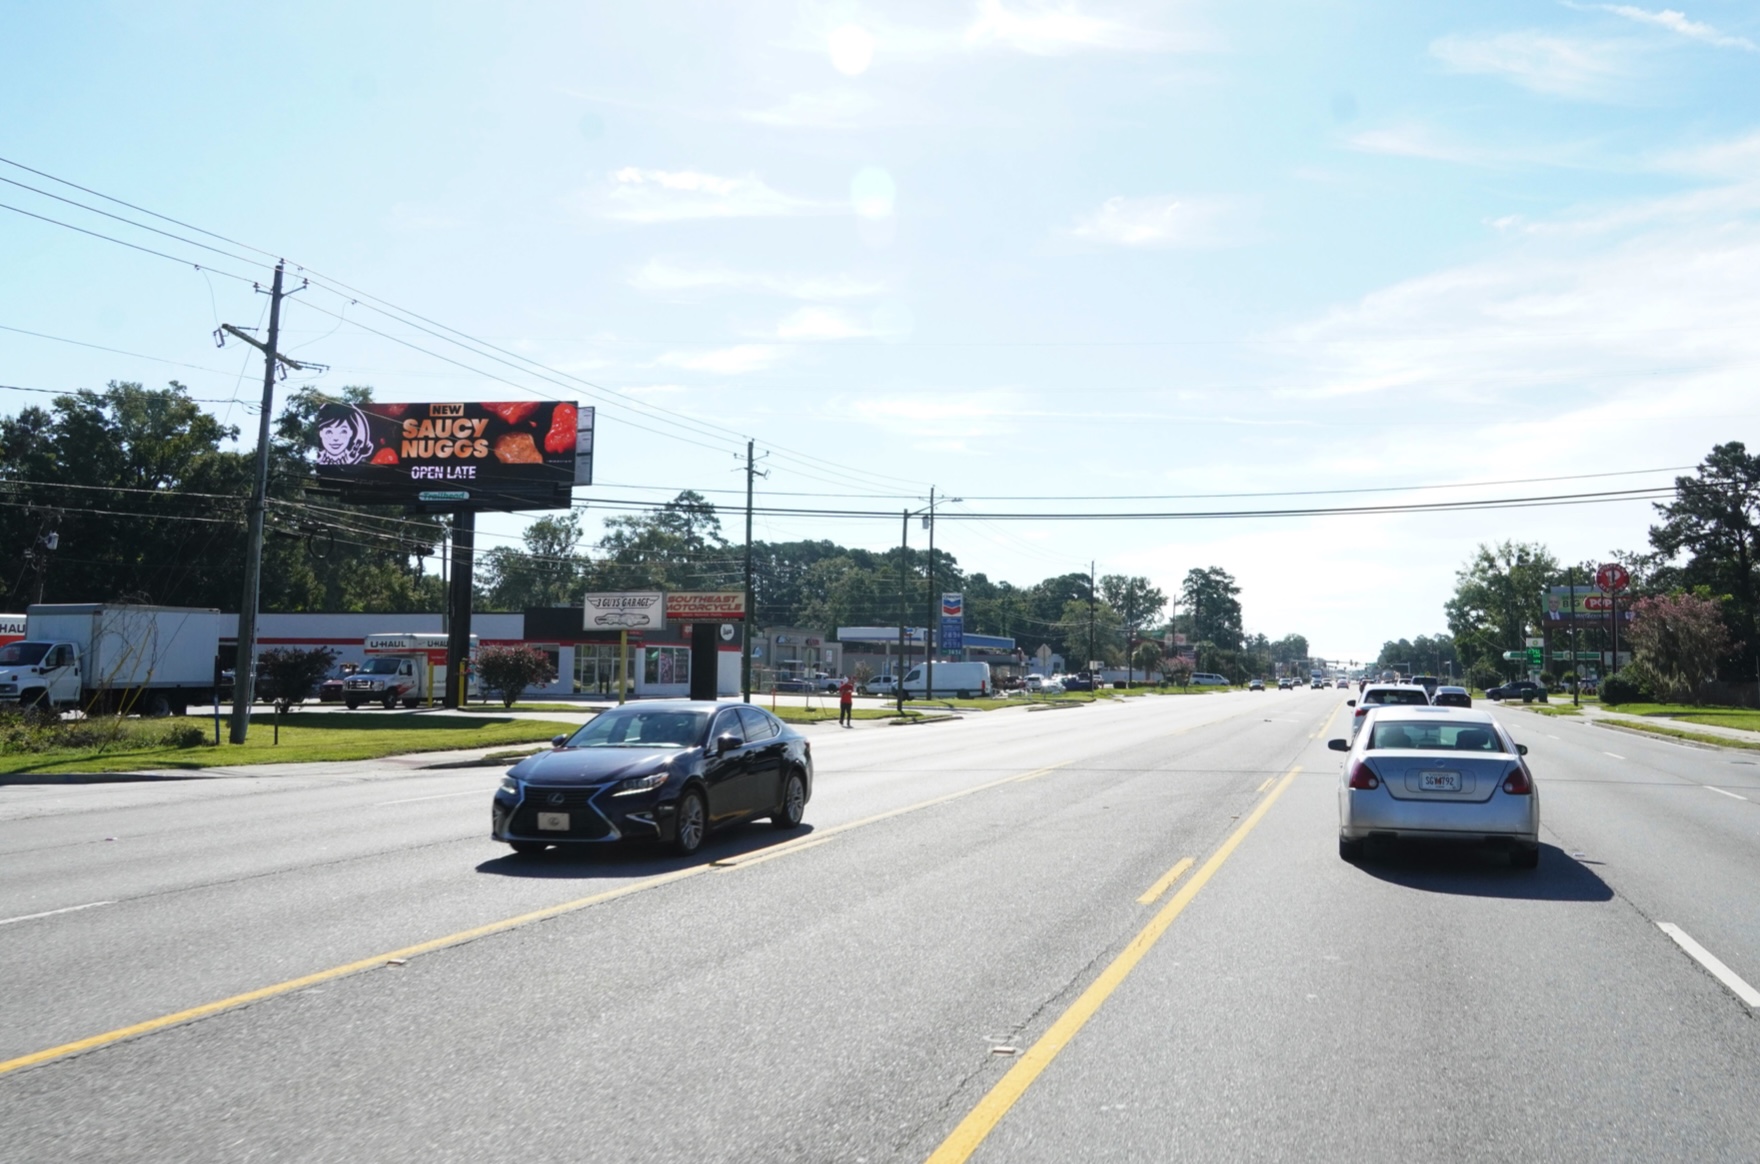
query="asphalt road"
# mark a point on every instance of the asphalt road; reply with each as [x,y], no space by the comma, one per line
[976,951]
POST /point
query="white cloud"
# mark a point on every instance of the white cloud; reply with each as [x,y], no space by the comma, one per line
[832,109]
[1052,29]
[733,361]
[660,276]
[1412,141]
[811,323]
[638,195]
[852,49]
[1599,70]
[1677,22]
[1157,221]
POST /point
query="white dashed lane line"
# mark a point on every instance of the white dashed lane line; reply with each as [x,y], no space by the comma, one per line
[6,921]
[1731,795]
[1712,963]
[1615,755]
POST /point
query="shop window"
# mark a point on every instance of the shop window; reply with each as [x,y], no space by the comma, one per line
[666,665]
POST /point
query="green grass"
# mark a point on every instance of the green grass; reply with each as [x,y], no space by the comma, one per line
[1656,729]
[497,709]
[305,737]
[1552,709]
[1745,718]
[790,714]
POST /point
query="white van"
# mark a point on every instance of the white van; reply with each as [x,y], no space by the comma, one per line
[965,680]
[1208,679]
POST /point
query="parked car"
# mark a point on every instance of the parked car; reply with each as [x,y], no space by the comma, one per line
[1078,682]
[1381,695]
[669,771]
[1525,690]
[1451,697]
[1208,679]
[330,687]
[881,685]
[1418,775]
[1255,685]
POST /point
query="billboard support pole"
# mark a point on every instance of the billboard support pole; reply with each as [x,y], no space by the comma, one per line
[458,605]
[622,664]
[934,609]
[1576,659]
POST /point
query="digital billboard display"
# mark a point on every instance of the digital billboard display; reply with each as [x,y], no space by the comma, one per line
[522,454]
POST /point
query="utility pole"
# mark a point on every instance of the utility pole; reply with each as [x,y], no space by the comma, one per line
[929,628]
[1093,684]
[244,670]
[745,658]
[904,607]
[1577,687]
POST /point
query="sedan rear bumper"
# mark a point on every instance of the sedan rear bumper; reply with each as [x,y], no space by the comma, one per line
[1363,812]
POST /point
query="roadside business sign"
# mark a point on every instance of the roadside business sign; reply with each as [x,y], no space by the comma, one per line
[1612,577]
[625,610]
[519,454]
[706,605]
[953,622]
[1535,657]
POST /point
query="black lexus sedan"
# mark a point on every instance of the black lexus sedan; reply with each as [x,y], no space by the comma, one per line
[669,771]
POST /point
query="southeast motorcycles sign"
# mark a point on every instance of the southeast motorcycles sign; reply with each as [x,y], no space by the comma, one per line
[512,454]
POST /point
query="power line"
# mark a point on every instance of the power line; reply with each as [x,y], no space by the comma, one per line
[121,243]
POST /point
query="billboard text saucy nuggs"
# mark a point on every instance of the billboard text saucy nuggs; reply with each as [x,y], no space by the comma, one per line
[520,453]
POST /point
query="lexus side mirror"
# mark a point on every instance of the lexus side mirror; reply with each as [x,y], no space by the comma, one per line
[1521,749]
[1339,745]
[1350,703]
[726,743]
[558,741]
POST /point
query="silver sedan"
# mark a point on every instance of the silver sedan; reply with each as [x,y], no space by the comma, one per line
[1437,774]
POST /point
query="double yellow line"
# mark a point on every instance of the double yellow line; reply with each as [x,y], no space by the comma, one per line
[964,1139]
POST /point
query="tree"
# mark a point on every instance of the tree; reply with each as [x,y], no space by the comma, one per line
[1106,626]
[548,572]
[1178,670]
[1715,520]
[1136,601]
[1681,638]
[676,547]
[1500,595]
[1147,656]
[1212,598]
[510,670]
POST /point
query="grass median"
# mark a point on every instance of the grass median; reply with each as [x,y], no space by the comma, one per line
[306,737]
[1744,718]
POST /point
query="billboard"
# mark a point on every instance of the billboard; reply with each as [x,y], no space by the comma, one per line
[522,454]
[1587,605]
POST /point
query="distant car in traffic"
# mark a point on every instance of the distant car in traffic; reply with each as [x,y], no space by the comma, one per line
[1255,685]
[1451,697]
[1418,775]
[1286,684]
[667,771]
[1525,690]
[1208,679]
[1383,695]
[881,685]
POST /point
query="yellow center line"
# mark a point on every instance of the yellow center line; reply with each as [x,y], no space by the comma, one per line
[1168,878]
[819,837]
[964,1139]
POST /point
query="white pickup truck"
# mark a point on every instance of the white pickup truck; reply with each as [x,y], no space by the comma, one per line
[113,659]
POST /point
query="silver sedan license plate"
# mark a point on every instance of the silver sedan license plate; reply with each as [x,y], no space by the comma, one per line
[1442,782]
[553,821]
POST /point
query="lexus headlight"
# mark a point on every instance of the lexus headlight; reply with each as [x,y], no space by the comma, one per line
[642,783]
[509,785]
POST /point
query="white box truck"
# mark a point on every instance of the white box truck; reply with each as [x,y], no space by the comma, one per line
[964,680]
[112,659]
[401,668]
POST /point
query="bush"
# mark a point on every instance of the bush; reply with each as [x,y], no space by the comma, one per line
[1624,687]
[183,735]
[287,675]
[510,670]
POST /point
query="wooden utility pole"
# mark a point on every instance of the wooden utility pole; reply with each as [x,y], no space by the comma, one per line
[244,669]
[745,658]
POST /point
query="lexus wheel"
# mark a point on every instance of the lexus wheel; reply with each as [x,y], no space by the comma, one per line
[692,824]
[794,803]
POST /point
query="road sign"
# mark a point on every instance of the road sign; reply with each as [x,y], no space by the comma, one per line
[1612,577]
[443,495]
[1514,656]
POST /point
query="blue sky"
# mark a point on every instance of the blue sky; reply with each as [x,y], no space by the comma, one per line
[1005,249]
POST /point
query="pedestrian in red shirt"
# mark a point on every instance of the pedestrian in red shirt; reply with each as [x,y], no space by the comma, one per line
[846,694]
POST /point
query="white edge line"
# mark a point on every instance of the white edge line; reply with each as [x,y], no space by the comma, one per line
[1615,755]
[442,796]
[1710,961]
[1721,792]
[52,912]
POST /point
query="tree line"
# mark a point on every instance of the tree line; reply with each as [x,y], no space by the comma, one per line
[141,499]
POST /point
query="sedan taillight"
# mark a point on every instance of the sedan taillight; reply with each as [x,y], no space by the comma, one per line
[1517,783]
[1363,778]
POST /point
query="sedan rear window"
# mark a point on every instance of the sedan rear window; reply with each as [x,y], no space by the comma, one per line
[1411,697]
[1426,736]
